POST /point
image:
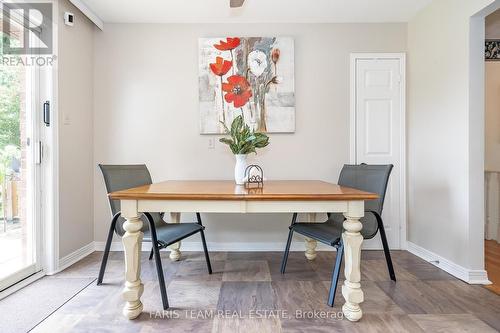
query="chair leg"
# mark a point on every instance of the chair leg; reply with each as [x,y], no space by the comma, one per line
[287,250]
[386,249]
[161,279]
[159,268]
[151,253]
[106,249]
[288,243]
[336,274]
[207,258]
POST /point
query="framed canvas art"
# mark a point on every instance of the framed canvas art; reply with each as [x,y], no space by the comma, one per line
[248,76]
[492,50]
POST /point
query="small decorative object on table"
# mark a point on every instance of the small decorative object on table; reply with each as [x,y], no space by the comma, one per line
[242,142]
[254,176]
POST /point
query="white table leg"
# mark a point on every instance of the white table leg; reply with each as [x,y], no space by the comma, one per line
[352,239]
[132,242]
[175,253]
[311,243]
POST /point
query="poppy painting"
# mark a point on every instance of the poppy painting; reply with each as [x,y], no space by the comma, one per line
[248,76]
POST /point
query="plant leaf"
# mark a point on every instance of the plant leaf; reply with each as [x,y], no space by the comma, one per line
[243,140]
[227,141]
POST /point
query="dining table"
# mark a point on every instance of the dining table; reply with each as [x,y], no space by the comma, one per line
[309,197]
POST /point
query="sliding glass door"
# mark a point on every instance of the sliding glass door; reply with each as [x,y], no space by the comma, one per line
[20,163]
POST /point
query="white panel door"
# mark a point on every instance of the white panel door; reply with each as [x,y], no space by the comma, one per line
[379,133]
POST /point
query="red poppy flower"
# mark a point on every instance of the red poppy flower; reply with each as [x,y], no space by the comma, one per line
[221,66]
[228,45]
[237,90]
[275,55]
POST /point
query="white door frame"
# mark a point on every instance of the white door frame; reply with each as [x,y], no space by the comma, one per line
[51,160]
[352,129]
[476,143]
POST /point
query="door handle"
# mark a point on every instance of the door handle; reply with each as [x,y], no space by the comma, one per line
[38,152]
[46,113]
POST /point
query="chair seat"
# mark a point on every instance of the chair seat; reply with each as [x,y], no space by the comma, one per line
[169,233]
[331,230]
[328,233]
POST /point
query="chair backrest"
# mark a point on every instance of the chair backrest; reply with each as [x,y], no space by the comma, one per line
[369,178]
[122,177]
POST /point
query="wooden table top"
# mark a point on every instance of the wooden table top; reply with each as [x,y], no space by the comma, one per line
[228,190]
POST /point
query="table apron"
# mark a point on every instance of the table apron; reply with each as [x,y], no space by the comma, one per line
[237,206]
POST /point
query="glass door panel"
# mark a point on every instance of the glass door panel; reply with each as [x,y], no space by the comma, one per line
[19,187]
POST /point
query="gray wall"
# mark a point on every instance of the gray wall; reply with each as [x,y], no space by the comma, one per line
[75,99]
[146,111]
[492,99]
[493,25]
[444,133]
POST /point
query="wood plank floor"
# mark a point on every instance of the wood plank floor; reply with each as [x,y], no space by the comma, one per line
[492,263]
[246,293]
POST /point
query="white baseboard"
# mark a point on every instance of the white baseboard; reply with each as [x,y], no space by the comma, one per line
[236,246]
[468,275]
[74,257]
[224,246]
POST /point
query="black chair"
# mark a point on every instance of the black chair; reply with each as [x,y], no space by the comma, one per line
[156,230]
[370,178]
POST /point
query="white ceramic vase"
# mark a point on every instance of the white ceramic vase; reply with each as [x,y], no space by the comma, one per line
[239,168]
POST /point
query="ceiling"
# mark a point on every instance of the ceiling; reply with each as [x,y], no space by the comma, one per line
[258,11]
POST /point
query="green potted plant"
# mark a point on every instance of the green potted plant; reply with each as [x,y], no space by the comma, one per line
[242,141]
